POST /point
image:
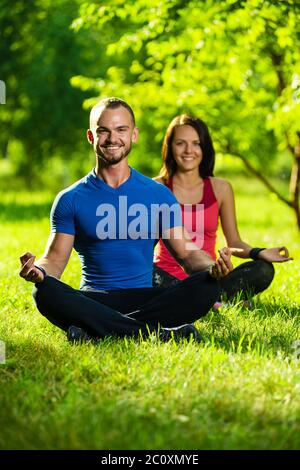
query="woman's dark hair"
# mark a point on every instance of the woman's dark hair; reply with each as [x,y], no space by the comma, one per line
[206,167]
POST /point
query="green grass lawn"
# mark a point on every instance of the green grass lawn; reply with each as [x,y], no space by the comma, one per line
[237,389]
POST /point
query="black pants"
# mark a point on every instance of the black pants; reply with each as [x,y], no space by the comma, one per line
[249,278]
[127,311]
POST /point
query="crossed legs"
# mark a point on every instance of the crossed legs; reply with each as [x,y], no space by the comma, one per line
[251,277]
[127,311]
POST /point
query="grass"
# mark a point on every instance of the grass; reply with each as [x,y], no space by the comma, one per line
[238,389]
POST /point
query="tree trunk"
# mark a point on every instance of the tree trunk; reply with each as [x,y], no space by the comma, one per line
[295,181]
[293,202]
[28,166]
[4,149]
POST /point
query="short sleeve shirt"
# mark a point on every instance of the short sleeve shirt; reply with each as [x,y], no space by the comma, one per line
[115,229]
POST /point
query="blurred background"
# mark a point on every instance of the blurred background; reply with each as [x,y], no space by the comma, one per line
[235,64]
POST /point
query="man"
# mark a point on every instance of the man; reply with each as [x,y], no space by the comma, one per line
[113,217]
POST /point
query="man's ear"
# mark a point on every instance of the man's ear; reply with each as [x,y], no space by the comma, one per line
[90,136]
[135,135]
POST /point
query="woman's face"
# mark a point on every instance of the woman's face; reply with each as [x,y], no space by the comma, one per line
[186,148]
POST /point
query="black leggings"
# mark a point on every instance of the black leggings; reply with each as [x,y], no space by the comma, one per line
[127,311]
[248,279]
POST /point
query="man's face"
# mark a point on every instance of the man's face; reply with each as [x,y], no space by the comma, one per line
[113,132]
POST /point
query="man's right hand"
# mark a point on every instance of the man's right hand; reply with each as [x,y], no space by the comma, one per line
[223,265]
[29,271]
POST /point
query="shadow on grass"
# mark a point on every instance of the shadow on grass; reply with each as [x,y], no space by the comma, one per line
[47,406]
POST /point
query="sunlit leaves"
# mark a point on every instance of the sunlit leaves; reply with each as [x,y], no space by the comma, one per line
[232,62]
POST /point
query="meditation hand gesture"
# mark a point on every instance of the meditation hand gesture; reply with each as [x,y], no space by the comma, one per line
[28,270]
[223,265]
[275,255]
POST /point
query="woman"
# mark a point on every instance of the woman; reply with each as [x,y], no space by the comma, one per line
[188,165]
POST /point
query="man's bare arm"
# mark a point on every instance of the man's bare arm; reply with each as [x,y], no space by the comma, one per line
[191,258]
[53,261]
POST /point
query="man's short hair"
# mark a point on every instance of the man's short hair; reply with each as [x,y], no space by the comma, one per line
[113,103]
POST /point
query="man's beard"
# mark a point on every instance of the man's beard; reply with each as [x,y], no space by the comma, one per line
[112,160]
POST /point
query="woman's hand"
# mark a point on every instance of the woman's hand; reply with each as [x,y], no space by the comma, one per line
[275,255]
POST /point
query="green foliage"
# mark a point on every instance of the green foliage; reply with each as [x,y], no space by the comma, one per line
[237,389]
[39,55]
[233,63]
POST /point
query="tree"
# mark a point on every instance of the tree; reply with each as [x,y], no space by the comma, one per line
[39,55]
[235,63]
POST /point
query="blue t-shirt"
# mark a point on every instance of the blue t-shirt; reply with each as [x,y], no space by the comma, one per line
[115,229]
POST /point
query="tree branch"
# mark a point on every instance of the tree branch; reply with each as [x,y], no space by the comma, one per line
[288,144]
[258,175]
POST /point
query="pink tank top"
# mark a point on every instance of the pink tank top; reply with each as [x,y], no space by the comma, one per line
[201,221]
